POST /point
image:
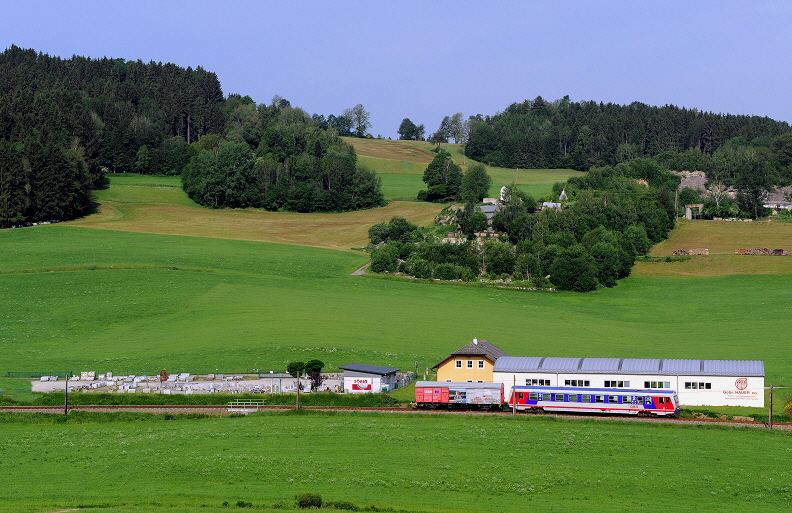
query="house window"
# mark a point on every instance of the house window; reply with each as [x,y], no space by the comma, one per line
[617,384]
[470,364]
[657,384]
[448,381]
[577,383]
[481,364]
[459,364]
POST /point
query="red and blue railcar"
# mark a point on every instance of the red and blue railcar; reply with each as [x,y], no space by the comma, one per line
[539,399]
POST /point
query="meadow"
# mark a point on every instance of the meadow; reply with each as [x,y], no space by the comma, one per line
[467,463]
[401,165]
[152,281]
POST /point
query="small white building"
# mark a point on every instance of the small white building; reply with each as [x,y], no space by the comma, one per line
[697,382]
[360,378]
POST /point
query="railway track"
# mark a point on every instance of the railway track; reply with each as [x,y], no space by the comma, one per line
[224,410]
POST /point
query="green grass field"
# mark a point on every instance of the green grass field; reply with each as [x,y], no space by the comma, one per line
[152,281]
[401,164]
[405,462]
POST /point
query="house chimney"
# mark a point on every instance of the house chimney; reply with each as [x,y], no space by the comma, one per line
[475,341]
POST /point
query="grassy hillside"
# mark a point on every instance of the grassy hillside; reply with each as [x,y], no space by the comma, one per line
[79,298]
[404,462]
[109,300]
[401,165]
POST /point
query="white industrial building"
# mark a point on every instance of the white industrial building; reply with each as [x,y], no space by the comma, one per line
[360,378]
[697,382]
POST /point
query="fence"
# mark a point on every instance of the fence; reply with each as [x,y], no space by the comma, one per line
[245,405]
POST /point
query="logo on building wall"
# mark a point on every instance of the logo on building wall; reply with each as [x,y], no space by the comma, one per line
[361,384]
[741,383]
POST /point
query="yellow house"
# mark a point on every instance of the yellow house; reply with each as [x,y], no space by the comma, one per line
[473,363]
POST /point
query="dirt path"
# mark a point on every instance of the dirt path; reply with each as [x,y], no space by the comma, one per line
[360,271]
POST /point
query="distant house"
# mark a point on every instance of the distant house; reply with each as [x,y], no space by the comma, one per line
[360,378]
[489,211]
[550,204]
[472,363]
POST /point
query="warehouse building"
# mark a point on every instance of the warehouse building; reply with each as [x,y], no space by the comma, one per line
[360,378]
[697,382]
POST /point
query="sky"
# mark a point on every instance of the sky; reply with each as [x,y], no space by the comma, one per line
[424,60]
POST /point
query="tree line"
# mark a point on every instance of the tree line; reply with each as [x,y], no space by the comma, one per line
[580,135]
[614,214]
[65,123]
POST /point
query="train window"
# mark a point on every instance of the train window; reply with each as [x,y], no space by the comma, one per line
[599,398]
[533,396]
[585,398]
[546,397]
[647,400]
[573,398]
[559,397]
[613,399]
[520,396]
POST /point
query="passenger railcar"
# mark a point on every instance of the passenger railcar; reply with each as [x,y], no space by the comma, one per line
[538,399]
[431,394]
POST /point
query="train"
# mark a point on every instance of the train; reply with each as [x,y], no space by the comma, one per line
[535,399]
[540,399]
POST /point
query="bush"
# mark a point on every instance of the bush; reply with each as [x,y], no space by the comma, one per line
[308,500]
[345,505]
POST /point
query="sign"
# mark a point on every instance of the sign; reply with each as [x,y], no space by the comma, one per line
[361,384]
[741,394]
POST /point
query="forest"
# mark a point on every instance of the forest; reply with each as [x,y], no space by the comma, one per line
[65,123]
[580,135]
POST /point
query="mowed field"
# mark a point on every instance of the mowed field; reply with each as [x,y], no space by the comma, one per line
[401,165]
[147,204]
[420,463]
[722,239]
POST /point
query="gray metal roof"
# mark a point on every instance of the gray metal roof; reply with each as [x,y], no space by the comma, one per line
[600,365]
[630,366]
[368,369]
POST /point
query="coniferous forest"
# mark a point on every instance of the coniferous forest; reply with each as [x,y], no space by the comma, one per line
[580,135]
[65,123]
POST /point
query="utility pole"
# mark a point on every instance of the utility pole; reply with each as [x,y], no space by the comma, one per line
[66,399]
[770,416]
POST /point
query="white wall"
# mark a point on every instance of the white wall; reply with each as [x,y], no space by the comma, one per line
[724,391]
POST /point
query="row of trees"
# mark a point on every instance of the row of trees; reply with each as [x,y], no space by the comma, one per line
[615,214]
[580,135]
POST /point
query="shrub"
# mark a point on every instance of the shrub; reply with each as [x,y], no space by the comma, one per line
[308,500]
[345,505]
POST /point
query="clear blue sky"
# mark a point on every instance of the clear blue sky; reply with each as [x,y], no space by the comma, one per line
[428,59]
